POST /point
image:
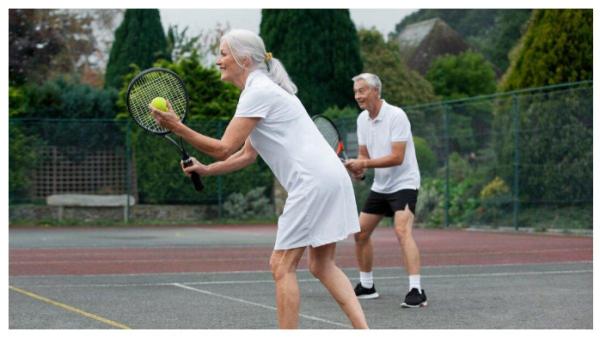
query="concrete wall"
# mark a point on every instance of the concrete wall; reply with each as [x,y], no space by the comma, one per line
[167,213]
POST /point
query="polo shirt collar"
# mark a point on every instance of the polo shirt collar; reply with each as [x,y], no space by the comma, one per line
[381,112]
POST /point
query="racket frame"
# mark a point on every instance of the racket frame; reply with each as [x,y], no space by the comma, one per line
[187,161]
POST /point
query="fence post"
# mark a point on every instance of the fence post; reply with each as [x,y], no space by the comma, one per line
[220,177]
[447,150]
[127,170]
[516,124]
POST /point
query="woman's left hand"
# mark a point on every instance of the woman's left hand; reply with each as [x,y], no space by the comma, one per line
[197,167]
[168,119]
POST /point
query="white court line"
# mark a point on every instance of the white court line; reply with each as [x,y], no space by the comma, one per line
[239,300]
[270,281]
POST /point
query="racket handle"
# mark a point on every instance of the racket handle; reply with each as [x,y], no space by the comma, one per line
[187,161]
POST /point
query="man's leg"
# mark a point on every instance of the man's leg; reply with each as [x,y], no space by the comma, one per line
[287,294]
[364,254]
[364,245]
[403,224]
[322,266]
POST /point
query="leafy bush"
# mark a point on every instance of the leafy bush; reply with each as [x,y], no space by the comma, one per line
[254,204]
[22,160]
[425,157]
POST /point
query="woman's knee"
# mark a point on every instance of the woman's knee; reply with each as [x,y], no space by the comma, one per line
[319,268]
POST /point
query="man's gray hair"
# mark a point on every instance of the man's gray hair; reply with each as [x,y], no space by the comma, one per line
[371,79]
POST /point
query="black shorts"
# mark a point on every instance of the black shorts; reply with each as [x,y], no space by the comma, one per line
[388,204]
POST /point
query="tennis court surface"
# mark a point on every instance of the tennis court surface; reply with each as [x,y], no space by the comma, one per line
[217,277]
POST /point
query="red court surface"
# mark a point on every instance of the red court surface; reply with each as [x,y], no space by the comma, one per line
[437,247]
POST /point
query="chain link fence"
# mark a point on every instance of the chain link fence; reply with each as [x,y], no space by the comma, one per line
[518,159]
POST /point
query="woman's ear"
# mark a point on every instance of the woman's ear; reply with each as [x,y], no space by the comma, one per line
[246,62]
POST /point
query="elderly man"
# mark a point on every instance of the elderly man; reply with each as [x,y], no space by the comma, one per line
[385,143]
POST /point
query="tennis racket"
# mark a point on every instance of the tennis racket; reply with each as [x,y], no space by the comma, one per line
[331,135]
[152,83]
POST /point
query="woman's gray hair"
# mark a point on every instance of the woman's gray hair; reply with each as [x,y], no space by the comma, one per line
[247,44]
[371,79]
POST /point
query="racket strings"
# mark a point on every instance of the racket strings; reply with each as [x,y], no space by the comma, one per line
[330,134]
[149,86]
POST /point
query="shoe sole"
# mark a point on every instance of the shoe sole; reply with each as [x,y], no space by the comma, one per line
[407,306]
[371,296]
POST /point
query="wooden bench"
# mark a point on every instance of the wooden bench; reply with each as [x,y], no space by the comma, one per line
[85,200]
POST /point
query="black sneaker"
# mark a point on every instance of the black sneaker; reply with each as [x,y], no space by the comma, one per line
[364,293]
[415,299]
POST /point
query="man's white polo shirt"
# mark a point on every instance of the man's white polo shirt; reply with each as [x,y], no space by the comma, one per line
[390,125]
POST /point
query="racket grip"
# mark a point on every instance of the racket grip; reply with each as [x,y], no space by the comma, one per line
[187,161]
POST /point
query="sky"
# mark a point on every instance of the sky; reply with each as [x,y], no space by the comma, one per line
[204,20]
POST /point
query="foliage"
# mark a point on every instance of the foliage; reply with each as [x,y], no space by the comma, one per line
[425,157]
[555,126]
[496,187]
[400,85]
[44,43]
[496,42]
[22,160]
[63,98]
[492,31]
[254,204]
[16,101]
[140,40]
[204,46]
[161,180]
[335,113]
[320,50]
[557,48]
[61,111]
[460,76]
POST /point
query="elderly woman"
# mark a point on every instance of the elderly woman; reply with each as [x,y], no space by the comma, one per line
[270,121]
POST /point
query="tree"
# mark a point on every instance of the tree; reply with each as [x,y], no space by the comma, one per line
[460,76]
[204,46]
[464,75]
[555,127]
[44,43]
[557,48]
[320,50]
[140,40]
[493,32]
[401,86]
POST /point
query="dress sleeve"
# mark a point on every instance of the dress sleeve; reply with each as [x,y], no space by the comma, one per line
[253,103]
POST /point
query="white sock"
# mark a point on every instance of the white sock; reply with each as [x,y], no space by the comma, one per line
[414,282]
[366,279]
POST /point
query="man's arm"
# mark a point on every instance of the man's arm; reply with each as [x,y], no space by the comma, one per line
[395,158]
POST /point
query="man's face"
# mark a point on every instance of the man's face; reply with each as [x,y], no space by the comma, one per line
[365,95]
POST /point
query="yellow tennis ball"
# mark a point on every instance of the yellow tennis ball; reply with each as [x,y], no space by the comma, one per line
[159,103]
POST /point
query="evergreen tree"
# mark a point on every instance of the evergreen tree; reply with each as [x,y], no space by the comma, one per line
[319,48]
[556,48]
[555,139]
[140,40]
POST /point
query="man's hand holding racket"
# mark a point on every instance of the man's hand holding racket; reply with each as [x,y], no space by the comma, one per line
[356,167]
